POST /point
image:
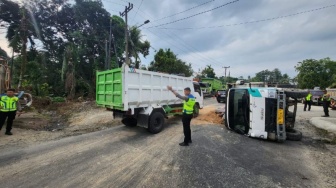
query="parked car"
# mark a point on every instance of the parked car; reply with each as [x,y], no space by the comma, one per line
[221,96]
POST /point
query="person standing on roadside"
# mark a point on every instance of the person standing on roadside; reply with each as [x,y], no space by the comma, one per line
[188,111]
[9,105]
[307,101]
[326,103]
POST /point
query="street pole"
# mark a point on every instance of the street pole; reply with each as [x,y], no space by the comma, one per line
[127,9]
[225,72]
[115,51]
[109,48]
[11,70]
[106,55]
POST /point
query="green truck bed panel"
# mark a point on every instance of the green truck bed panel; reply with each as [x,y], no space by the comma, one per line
[109,89]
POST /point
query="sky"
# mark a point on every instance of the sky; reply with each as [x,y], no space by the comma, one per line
[247,35]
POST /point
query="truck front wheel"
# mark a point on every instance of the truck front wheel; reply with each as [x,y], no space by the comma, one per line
[156,122]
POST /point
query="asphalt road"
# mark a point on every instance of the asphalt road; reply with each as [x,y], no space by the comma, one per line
[132,157]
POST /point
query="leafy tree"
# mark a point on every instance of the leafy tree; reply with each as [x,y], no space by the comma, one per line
[166,61]
[136,46]
[271,76]
[313,73]
[208,72]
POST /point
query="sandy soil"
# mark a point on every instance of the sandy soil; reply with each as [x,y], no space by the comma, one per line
[207,116]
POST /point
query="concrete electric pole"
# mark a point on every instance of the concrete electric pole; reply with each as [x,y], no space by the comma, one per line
[225,72]
[127,9]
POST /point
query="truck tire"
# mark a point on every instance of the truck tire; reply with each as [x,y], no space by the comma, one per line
[296,94]
[196,110]
[156,122]
[129,121]
[293,135]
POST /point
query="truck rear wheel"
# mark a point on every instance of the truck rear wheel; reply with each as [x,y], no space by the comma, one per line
[129,121]
[156,122]
[293,134]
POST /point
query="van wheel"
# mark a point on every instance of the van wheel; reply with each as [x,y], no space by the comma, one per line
[156,122]
[293,134]
[129,121]
[196,110]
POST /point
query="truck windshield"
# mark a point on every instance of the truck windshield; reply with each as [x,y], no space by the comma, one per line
[239,111]
[204,84]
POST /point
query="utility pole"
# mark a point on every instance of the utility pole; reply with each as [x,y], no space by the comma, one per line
[109,47]
[115,51]
[24,40]
[225,72]
[106,55]
[127,9]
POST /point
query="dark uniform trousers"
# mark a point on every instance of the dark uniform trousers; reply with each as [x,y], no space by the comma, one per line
[10,116]
[309,103]
[186,119]
[325,107]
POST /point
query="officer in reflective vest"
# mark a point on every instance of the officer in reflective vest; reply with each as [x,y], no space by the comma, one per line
[188,113]
[326,102]
[308,101]
[9,105]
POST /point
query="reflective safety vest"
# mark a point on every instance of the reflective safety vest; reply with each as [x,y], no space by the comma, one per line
[8,104]
[308,98]
[324,96]
[188,106]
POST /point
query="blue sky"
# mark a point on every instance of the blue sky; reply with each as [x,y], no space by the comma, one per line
[247,48]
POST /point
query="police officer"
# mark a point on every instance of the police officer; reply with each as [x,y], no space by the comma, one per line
[308,101]
[188,110]
[9,104]
[326,102]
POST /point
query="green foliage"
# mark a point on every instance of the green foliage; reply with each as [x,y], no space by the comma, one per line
[271,76]
[208,72]
[57,99]
[136,46]
[166,61]
[312,73]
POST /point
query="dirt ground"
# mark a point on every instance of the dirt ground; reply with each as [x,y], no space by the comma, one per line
[70,119]
[55,122]
[207,116]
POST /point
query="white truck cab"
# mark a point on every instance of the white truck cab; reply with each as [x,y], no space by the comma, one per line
[262,112]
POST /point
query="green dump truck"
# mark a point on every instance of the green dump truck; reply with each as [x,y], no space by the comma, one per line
[210,86]
[141,97]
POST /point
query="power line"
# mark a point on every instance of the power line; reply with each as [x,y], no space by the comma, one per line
[137,10]
[203,12]
[252,22]
[184,11]
[196,51]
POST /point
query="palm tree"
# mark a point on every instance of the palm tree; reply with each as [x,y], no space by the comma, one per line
[136,45]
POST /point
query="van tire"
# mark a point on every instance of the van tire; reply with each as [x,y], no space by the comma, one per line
[156,122]
[129,121]
[296,94]
[293,135]
[196,110]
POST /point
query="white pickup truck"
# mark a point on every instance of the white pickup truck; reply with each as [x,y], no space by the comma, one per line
[141,97]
